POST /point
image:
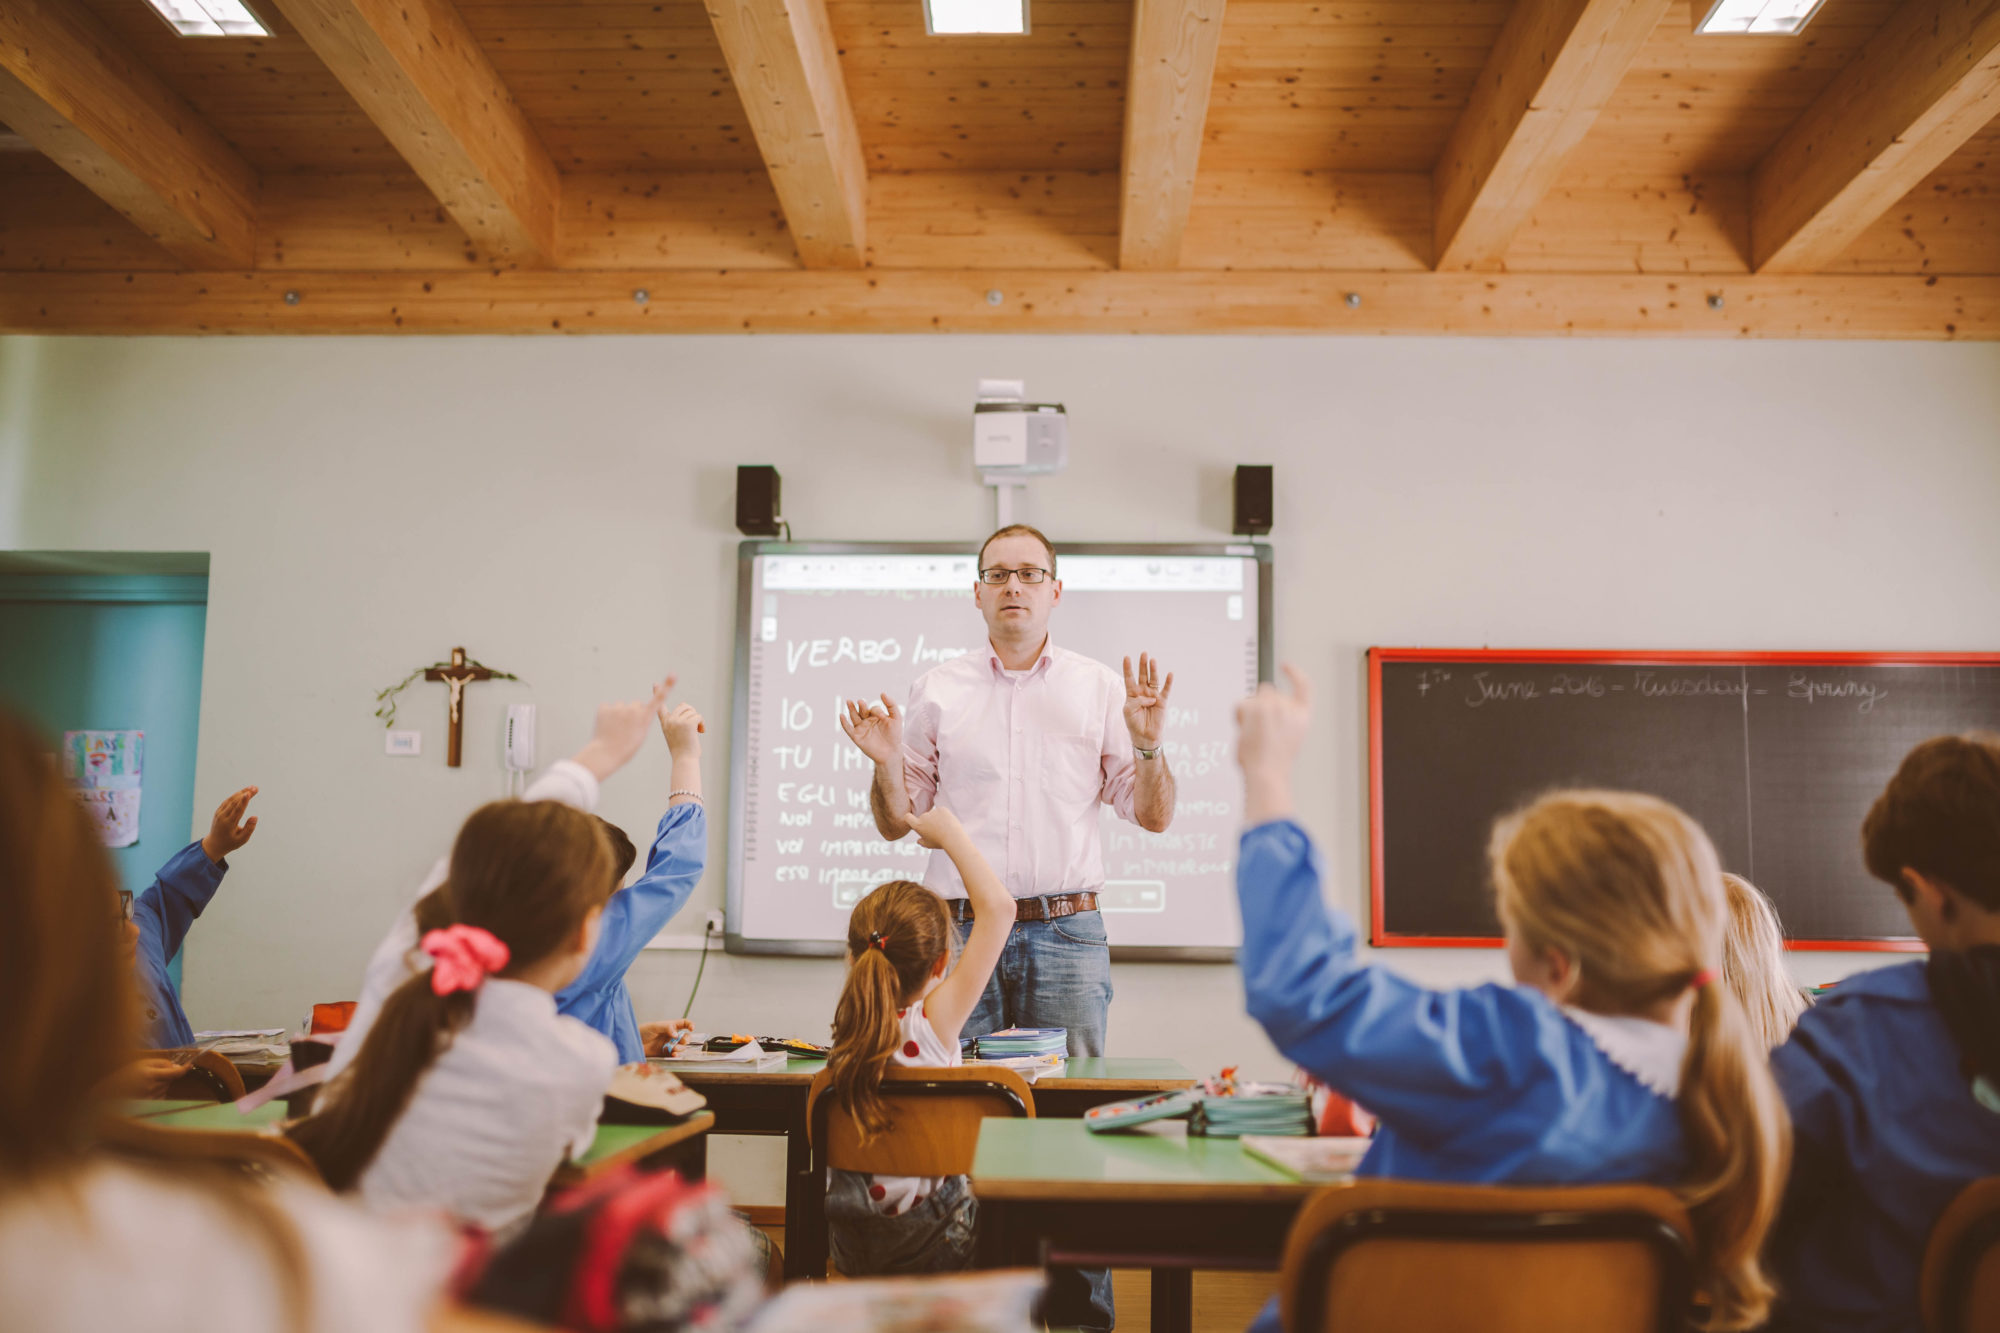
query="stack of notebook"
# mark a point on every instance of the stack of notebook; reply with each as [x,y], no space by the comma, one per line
[1232,1107]
[1009,1043]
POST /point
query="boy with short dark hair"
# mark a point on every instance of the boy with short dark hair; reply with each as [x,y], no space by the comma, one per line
[1893,1079]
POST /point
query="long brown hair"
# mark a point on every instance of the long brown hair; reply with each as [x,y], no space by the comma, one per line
[529,872]
[894,940]
[1629,889]
[433,910]
[1753,963]
[72,1013]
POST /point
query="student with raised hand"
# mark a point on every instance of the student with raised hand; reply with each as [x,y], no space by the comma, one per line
[636,913]
[1614,1057]
[101,1231]
[160,917]
[904,1002]
[1893,1078]
[470,1089]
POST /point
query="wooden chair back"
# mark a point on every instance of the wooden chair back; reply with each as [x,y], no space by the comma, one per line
[1960,1287]
[1378,1256]
[937,1114]
[209,1078]
[270,1152]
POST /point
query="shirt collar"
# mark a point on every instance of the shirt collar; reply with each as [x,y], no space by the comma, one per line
[1648,1051]
[1047,658]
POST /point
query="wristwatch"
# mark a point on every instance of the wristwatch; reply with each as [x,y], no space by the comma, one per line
[1153,753]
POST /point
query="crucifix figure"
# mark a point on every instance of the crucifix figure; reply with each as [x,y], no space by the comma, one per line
[456,677]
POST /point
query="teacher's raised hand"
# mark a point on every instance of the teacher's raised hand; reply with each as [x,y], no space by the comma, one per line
[1146,701]
[878,735]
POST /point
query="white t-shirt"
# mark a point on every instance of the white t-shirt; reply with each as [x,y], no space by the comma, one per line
[516,1093]
[391,964]
[121,1247]
[921,1048]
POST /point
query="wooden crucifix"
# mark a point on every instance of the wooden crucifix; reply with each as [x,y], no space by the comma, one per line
[456,677]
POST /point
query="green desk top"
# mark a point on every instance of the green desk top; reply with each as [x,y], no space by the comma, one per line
[145,1107]
[1060,1159]
[224,1115]
[614,1139]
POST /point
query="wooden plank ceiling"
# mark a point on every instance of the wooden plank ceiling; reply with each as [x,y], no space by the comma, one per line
[1536,166]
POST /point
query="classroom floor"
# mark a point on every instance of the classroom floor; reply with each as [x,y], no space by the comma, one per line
[1224,1302]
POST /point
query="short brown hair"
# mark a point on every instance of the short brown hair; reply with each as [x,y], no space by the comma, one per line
[1940,816]
[1020,530]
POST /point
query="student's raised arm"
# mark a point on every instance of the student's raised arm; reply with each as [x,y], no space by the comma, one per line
[1422,1060]
[958,994]
[185,884]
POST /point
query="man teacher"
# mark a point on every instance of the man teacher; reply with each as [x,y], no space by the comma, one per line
[1023,741]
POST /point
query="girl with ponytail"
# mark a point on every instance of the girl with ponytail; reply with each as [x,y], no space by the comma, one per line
[470,1089]
[1618,1054]
[1893,1078]
[903,1001]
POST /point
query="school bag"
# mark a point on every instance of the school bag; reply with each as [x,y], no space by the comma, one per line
[631,1252]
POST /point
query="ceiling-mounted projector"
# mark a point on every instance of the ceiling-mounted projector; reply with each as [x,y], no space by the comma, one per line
[1013,439]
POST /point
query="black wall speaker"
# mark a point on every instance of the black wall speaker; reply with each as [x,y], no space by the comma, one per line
[1253,500]
[757,509]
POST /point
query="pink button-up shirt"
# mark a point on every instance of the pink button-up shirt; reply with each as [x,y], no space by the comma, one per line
[1023,761]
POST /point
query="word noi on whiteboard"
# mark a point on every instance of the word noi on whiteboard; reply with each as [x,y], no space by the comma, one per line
[1649,684]
[866,652]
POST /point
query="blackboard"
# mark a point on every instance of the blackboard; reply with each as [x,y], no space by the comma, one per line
[1778,755]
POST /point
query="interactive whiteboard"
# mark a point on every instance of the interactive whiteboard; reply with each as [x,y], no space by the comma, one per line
[821,622]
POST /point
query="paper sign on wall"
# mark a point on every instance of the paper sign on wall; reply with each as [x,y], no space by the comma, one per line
[105,768]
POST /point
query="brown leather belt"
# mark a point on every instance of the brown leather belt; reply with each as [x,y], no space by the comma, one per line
[1049,907]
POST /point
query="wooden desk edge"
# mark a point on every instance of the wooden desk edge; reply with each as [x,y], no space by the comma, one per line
[1138,1191]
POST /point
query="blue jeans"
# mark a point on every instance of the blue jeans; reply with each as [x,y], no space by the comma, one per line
[1057,974]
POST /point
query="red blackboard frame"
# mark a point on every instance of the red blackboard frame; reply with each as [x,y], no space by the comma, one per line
[1383,939]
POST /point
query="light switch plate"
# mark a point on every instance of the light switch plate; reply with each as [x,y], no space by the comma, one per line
[404,744]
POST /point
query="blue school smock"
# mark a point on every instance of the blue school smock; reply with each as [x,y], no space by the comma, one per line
[634,915]
[1885,1132]
[163,912]
[1487,1085]
[1484,1085]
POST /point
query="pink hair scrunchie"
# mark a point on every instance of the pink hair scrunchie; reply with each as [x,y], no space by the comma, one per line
[462,956]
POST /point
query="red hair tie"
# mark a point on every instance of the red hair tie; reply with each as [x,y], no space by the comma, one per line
[462,956]
[1701,978]
[877,940]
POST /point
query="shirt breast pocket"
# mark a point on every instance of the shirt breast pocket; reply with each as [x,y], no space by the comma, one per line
[1072,769]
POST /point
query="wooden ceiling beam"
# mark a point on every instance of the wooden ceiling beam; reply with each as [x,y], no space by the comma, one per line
[786,68]
[1926,83]
[878,301]
[419,74]
[1556,64]
[1166,104]
[70,89]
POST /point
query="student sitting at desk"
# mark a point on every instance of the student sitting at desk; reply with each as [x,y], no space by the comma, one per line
[635,913]
[157,920]
[98,1231]
[899,1005]
[1617,1056]
[470,1088]
[1893,1079]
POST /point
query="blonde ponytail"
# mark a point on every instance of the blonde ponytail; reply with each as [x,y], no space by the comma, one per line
[1629,888]
[894,940]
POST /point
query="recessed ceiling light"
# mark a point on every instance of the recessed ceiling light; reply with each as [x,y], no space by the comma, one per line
[1780,18]
[953,17]
[210,18]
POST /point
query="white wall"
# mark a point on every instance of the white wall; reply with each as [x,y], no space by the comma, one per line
[562,507]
